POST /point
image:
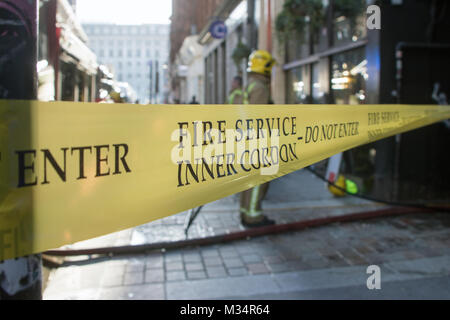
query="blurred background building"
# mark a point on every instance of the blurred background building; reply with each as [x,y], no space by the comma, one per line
[188,19]
[67,67]
[73,3]
[137,54]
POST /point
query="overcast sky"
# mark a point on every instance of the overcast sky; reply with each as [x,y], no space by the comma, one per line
[124,11]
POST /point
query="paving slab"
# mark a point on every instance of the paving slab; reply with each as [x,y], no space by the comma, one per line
[321,262]
[421,289]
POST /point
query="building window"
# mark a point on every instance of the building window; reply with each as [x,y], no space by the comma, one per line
[298,85]
[138,53]
[111,53]
[318,85]
[119,53]
[130,53]
[297,48]
[348,77]
[349,23]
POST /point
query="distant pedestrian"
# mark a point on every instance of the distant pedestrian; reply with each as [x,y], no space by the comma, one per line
[194,100]
[236,95]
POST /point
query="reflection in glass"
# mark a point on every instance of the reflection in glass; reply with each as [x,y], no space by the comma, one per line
[298,86]
[297,48]
[349,21]
[349,75]
[318,94]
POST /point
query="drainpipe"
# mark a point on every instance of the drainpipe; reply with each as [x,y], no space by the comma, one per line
[269,26]
[251,24]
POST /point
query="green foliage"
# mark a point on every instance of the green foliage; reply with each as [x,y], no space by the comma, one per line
[240,53]
[349,8]
[296,16]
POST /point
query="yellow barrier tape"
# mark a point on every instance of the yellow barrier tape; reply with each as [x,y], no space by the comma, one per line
[74,171]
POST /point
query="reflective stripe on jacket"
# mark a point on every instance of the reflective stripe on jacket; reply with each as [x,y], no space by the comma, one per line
[236,97]
[258,90]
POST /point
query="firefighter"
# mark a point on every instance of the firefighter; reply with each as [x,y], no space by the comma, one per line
[257,92]
[236,95]
[194,100]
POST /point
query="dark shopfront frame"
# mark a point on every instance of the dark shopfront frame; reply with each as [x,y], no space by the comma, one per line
[396,177]
[322,50]
[323,59]
[326,48]
[357,161]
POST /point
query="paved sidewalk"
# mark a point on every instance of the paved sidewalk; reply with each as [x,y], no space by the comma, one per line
[294,197]
[316,263]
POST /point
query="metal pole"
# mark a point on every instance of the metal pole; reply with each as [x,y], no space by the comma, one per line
[20,278]
[151,81]
[251,25]
[156,81]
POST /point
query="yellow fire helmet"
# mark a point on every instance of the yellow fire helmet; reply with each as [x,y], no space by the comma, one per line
[338,192]
[261,61]
[115,95]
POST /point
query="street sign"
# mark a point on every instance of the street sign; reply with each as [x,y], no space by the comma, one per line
[218,29]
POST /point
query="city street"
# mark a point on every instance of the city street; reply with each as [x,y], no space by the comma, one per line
[330,262]
[224,150]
